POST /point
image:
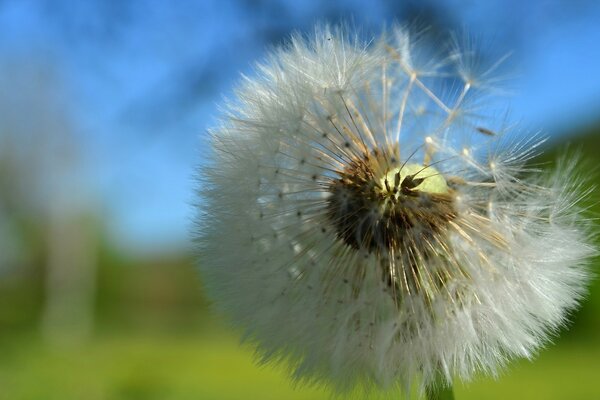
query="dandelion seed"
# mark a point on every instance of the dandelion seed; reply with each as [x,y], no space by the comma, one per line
[350,229]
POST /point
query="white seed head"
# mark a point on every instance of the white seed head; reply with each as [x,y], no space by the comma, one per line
[370,229]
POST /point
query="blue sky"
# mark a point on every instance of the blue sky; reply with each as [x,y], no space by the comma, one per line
[141,80]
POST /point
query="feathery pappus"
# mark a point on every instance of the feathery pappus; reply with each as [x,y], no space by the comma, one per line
[363,221]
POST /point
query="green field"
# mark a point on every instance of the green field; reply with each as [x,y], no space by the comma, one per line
[179,366]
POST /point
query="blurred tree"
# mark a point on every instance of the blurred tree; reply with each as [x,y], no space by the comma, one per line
[42,195]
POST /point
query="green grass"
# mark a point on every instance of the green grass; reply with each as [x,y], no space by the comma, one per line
[131,366]
[565,371]
[141,367]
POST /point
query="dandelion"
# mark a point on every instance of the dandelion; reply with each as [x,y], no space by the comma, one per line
[365,223]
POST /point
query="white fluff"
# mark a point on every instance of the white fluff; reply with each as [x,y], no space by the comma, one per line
[497,280]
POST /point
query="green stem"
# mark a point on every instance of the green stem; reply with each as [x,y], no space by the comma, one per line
[440,392]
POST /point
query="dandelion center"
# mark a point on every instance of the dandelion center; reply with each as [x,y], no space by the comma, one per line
[382,205]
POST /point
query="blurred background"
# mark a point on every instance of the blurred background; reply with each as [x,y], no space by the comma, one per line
[104,106]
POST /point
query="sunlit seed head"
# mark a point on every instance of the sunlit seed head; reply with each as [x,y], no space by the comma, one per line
[352,226]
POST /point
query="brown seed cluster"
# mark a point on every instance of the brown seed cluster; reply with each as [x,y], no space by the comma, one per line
[382,212]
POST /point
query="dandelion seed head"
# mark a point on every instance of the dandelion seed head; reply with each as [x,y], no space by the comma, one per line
[368,228]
